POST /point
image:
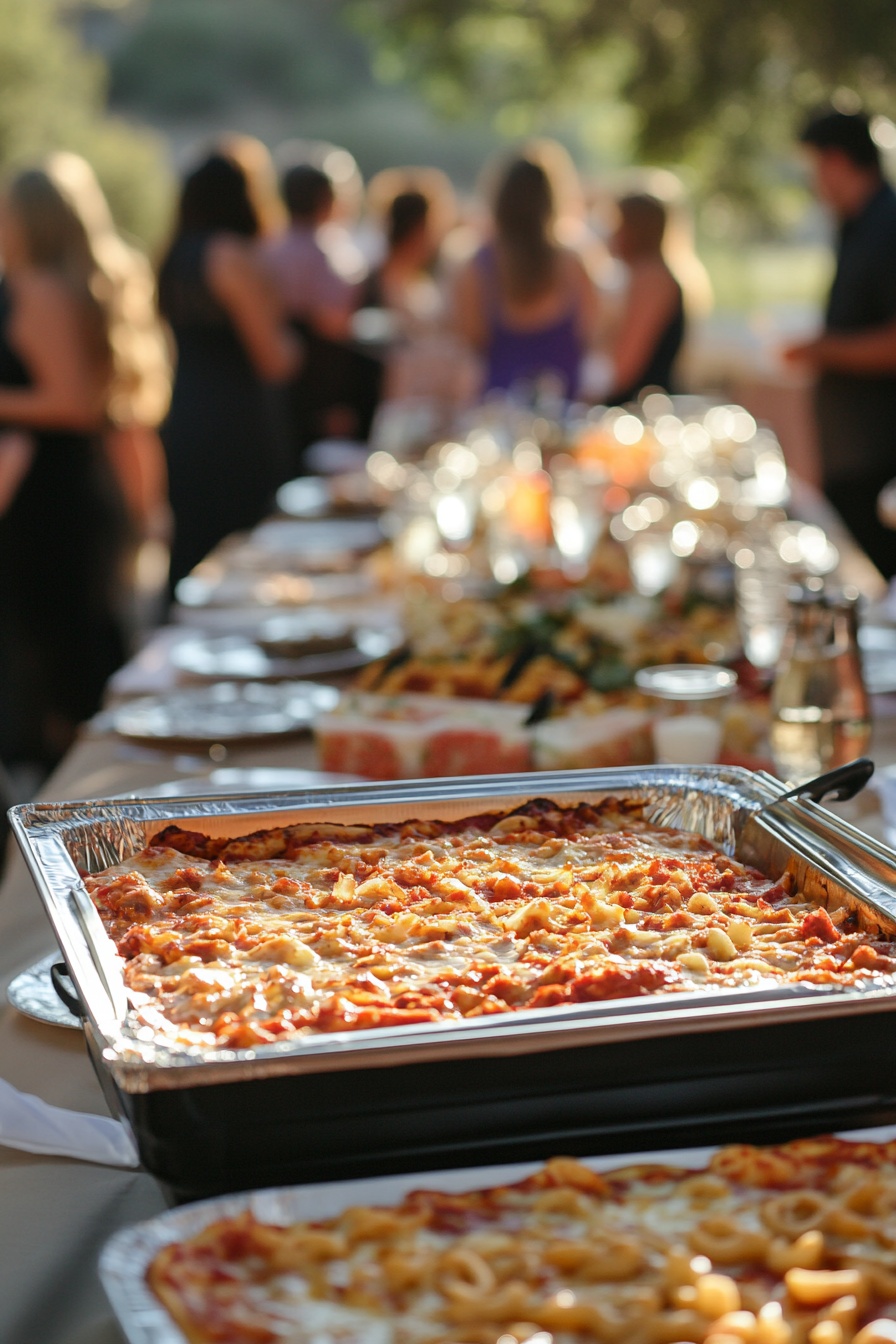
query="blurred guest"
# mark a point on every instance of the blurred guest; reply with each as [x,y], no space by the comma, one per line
[572,226]
[254,157]
[413,210]
[679,243]
[524,302]
[224,433]
[650,330]
[854,359]
[141,392]
[311,289]
[67,361]
[402,282]
[336,390]
[339,235]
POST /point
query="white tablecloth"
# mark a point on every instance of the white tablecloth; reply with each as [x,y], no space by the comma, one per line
[55,1214]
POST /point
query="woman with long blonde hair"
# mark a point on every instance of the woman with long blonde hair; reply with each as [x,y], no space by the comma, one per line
[79,349]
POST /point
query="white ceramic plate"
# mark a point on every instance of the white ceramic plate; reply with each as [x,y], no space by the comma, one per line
[291,536]
[223,712]
[317,496]
[33,994]
[257,779]
[278,588]
[878,645]
[235,658]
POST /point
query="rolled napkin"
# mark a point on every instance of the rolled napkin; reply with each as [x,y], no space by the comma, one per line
[330,457]
[34,1126]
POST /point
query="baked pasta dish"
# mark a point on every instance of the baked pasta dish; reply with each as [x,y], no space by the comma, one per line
[519,647]
[320,927]
[788,1245]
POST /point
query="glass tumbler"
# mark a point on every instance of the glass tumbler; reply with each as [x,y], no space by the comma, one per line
[688,700]
[761,596]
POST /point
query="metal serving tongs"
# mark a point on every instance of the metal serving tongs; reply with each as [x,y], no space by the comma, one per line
[106,961]
[852,859]
[843,782]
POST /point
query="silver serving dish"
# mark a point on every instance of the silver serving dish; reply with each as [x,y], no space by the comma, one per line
[830,860]
[33,994]
[224,711]
[127,1256]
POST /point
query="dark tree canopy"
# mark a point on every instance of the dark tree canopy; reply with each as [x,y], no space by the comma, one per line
[194,57]
[686,66]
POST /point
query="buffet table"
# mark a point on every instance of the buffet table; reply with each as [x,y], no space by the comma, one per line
[56,1214]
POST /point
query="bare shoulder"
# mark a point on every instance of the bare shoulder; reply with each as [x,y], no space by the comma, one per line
[573,270]
[230,259]
[571,261]
[654,277]
[41,293]
[466,288]
[467,274]
[46,312]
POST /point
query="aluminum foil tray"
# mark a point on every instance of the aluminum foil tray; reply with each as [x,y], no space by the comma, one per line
[126,1257]
[830,860]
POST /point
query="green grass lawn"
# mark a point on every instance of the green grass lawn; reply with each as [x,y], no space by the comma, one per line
[763,275]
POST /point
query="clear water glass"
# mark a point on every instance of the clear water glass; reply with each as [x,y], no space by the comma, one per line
[762,608]
[653,563]
[577,514]
[820,710]
[688,700]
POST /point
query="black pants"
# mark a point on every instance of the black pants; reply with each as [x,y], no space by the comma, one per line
[855,499]
[333,374]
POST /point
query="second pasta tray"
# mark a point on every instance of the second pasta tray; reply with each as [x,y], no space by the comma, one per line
[762,1245]
[459,970]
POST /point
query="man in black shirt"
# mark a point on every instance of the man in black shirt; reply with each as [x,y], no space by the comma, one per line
[855,356]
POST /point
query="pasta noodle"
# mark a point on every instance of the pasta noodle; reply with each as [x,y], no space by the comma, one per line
[565,1257]
[238,943]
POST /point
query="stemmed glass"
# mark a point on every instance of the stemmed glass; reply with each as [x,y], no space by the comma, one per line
[577,513]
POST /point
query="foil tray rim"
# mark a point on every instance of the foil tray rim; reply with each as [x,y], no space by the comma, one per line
[128,1253]
[41,830]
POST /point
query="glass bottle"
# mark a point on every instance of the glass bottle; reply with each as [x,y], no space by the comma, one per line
[820,711]
[853,707]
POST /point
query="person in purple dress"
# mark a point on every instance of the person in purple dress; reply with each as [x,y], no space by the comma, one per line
[524,303]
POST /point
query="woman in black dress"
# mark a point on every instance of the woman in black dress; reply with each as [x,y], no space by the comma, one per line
[652,324]
[62,523]
[223,437]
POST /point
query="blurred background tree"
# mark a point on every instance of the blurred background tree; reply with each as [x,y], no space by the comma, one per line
[711,88]
[692,70]
[715,89]
[195,57]
[53,95]
[277,69]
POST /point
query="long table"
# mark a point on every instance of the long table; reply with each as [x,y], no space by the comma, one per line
[55,1214]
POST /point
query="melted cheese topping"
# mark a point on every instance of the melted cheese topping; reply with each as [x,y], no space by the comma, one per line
[322,928]
[766,1246]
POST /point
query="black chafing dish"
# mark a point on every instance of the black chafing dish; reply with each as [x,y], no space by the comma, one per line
[657,1071]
